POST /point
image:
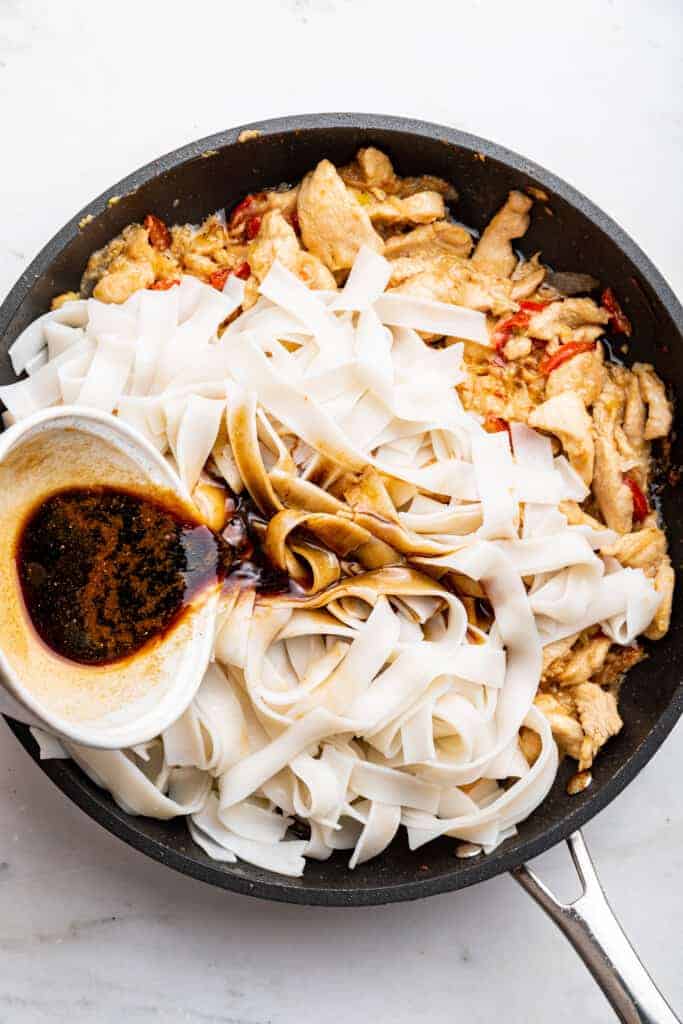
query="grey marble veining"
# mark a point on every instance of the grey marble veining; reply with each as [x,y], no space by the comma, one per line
[89,929]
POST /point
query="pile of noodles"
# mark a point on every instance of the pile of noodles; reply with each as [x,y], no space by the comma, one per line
[366,701]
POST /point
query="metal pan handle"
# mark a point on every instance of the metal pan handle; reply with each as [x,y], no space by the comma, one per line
[596,935]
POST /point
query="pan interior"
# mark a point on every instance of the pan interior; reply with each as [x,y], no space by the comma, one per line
[572,235]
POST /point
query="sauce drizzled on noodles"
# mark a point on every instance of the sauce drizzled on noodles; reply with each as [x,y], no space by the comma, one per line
[104,572]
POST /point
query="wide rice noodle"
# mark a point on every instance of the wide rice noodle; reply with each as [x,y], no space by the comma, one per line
[365,702]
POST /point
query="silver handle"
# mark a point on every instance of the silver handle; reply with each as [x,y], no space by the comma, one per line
[596,935]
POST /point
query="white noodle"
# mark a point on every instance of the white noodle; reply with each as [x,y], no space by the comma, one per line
[370,703]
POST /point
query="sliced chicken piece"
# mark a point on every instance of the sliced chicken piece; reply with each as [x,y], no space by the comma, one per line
[430,240]
[127,263]
[569,320]
[373,172]
[210,249]
[61,300]
[494,250]
[565,416]
[551,652]
[118,284]
[333,224]
[517,347]
[420,208]
[376,169]
[277,239]
[530,744]
[528,278]
[599,718]
[630,437]
[583,373]
[614,497]
[643,549]
[664,585]
[258,204]
[580,664]
[207,250]
[634,411]
[450,279]
[426,183]
[659,415]
[577,517]
[566,730]
[618,661]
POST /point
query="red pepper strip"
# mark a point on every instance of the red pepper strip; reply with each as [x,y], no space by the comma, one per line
[617,318]
[641,507]
[294,221]
[240,210]
[495,424]
[253,227]
[502,333]
[243,271]
[219,277]
[164,284]
[159,235]
[517,321]
[568,351]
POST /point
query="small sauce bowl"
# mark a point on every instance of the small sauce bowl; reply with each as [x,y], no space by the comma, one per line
[135,698]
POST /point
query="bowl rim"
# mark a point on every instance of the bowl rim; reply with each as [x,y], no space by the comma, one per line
[479,869]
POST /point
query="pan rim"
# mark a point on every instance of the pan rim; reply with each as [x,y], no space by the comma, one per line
[468,873]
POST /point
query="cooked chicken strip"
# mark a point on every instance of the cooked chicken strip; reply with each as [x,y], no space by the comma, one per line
[643,549]
[565,416]
[120,283]
[450,279]
[659,414]
[583,373]
[277,240]
[566,731]
[494,251]
[527,277]
[333,224]
[558,649]
[580,664]
[126,264]
[569,320]
[599,717]
[420,208]
[664,585]
[440,238]
[376,168]
[614,497]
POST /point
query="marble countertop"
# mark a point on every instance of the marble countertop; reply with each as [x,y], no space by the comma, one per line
[89,929]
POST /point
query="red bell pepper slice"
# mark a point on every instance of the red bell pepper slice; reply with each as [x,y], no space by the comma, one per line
[641,506]
[568,351]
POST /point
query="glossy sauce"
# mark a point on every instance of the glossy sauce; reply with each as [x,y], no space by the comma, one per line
[104,571]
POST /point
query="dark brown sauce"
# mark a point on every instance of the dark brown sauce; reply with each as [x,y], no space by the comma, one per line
[244,532]
[104,572]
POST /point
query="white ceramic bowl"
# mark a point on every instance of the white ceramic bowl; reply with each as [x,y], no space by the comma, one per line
[109,706]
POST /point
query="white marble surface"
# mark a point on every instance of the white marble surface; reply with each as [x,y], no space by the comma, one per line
[89,929]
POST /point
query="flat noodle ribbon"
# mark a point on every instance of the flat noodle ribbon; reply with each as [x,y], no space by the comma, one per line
[368,697]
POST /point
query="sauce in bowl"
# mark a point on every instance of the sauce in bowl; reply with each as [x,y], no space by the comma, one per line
[104,571]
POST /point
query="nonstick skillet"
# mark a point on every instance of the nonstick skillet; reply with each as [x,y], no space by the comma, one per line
[572,234]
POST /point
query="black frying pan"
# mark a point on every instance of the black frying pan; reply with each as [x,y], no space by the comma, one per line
[573,235]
